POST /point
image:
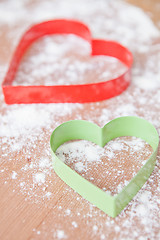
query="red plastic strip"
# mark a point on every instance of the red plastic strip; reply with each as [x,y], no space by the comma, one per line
[80,93]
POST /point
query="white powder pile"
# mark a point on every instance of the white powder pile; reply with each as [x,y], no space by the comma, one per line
[74,224]
[39,178]
[14,175]
[65,60]
[117,162]
[24,123]
[25,164]
[61,234]
[81,149]
[125,20]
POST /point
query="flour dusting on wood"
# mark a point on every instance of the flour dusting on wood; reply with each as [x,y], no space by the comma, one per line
[26,167]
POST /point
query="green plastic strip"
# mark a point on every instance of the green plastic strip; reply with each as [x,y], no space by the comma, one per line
[123,126]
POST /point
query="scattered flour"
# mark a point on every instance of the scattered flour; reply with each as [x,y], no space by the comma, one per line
[74,224]
[61,234]
[39,178]
[117,162]
[95,228]
[79,166]
[67,61]
[25,129]
[68,212]
[146,83]
[80,149]
[102,237]
[14,175]
[48,194]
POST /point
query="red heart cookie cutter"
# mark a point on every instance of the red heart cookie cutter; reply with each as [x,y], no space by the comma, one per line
[80,93]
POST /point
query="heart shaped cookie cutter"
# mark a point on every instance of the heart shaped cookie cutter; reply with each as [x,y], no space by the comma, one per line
[123,126]
[80,93]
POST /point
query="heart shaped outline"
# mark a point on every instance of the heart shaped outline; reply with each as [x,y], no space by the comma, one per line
[80,93]
[123,126]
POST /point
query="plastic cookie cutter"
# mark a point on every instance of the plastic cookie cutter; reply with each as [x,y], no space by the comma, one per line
[80,93]
[123,126]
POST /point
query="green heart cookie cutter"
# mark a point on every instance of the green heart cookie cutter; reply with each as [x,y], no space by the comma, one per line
[123,126]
